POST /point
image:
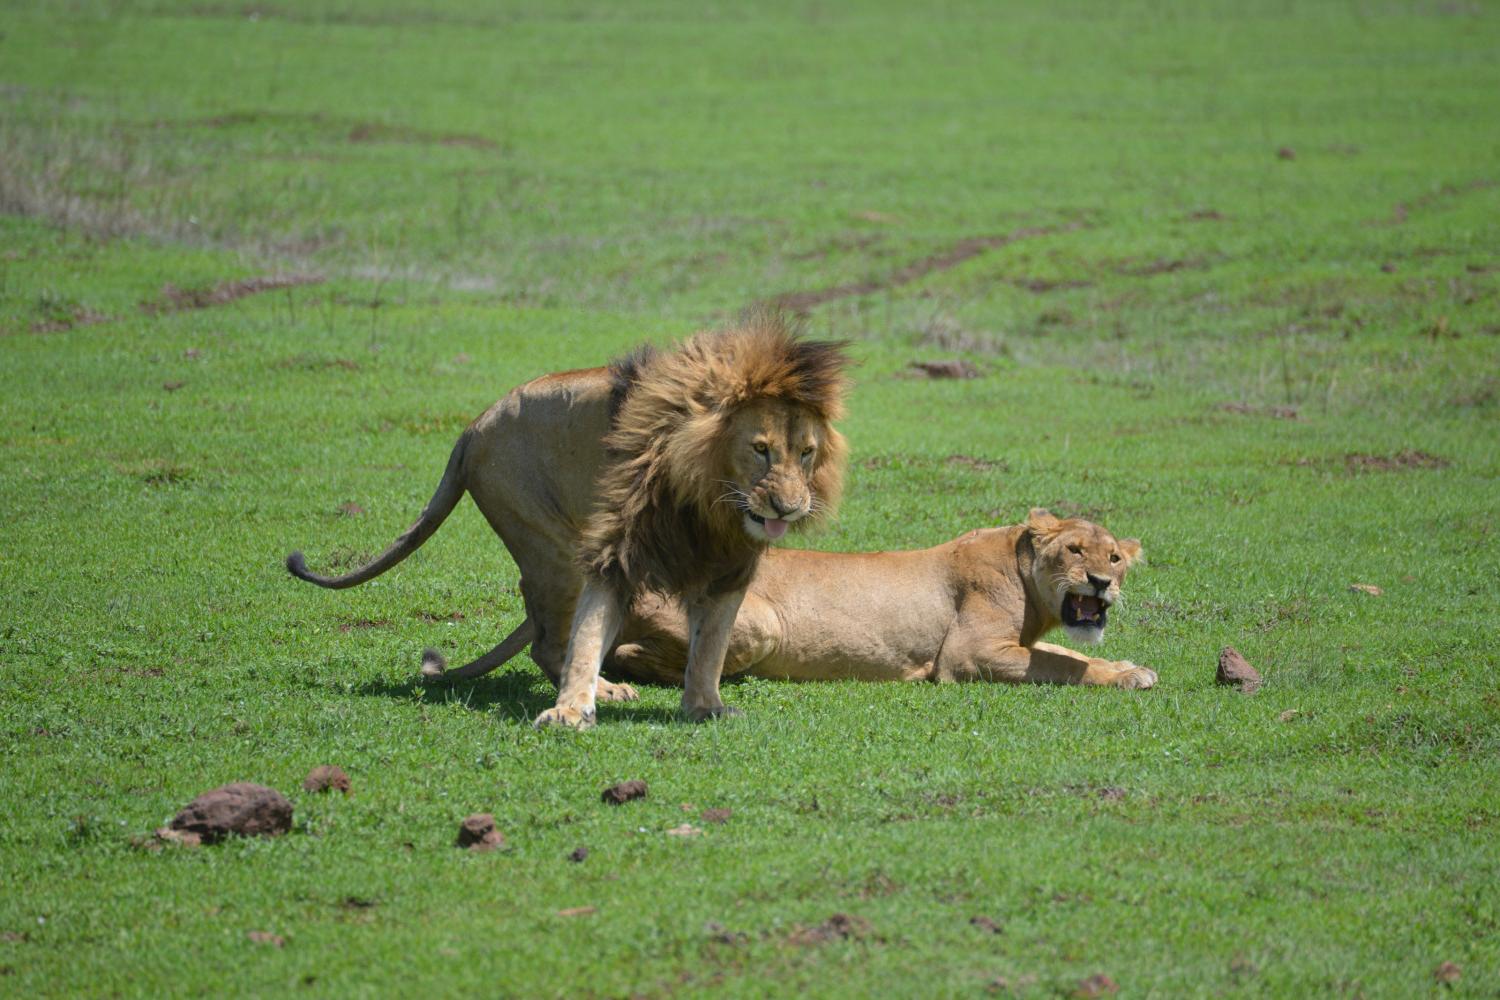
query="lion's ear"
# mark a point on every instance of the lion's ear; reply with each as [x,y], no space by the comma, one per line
[1041,521]
[1131,550]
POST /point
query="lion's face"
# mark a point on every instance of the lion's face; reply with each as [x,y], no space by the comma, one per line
[780,466]
[1078,571]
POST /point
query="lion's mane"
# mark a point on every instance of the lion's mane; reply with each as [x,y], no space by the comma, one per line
[659,522]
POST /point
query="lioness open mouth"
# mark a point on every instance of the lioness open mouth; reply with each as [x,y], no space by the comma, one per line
[1079,610]
[774,527]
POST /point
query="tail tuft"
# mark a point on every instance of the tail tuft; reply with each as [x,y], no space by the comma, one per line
[434,664]
[297,566]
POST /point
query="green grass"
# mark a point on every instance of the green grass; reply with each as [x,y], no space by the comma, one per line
[1279,373]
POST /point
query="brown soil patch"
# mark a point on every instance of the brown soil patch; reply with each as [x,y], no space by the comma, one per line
[1407,459]
[1097,985]
[716,815]
[76,316]
[1111,793]
[945,369]
[373,132]
[1206,215]
[960,252]
[1274,412]
[578,854]
[174,299]
[986,924]
[977,464]
[364,623]
[1402,209]
[1043,285]
[1161,265]
[266,937]
[839,927]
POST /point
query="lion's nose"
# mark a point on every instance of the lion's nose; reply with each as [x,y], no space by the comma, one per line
[779,509]
[1101,583]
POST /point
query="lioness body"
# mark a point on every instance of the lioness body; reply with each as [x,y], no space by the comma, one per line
[972,609]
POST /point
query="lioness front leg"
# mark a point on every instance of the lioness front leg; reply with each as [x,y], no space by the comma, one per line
[710,624]
[1044,663]
[596,621]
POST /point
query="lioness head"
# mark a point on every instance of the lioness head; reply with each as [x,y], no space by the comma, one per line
[1078,570]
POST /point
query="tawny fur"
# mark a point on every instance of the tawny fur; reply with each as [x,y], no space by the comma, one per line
[973,609]
[531,462]
[661,521]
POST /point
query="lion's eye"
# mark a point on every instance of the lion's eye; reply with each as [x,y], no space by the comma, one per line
[1114,557]
[761,448]
[807,453]
[1077,550]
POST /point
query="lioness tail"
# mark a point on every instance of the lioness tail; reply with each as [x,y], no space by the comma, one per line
[450,489]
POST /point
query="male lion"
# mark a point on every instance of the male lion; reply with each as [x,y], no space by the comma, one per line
[672,470]
[970,610]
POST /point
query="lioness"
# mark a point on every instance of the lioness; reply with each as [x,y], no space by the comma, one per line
[970,610]
[672,470]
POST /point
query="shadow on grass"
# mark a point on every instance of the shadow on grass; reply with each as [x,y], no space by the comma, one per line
[518,694]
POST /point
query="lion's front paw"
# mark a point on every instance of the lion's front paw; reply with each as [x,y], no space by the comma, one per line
[560,715]
[605,691]
[706,712]
[1134,678]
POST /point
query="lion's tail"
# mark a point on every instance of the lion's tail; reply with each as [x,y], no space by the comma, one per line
[450,491]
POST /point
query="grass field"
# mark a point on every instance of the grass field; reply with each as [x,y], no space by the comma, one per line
[1231,275]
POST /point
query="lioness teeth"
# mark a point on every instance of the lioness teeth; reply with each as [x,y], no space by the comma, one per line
[1087,608]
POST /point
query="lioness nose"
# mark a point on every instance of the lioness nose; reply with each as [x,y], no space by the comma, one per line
[1101,583]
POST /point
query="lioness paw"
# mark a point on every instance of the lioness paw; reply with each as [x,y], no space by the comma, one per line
[571,718]
[605,691]
[1134,678]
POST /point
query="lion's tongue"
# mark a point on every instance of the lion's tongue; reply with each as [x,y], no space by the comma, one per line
[775,527]
[1088,608]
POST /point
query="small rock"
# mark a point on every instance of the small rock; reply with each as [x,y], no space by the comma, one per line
[1236,671]
[1112,793]
[173,386]
[716,815]
[578,854]
[946,369]
[618,795]
[685,830]
[986,924]
[242,808]
[1097,985]
[1448,972]
[1387,268]
[325,778]
[1365,588]
[266,937]
[578,911]
[1288,715]
[1286,153]
[478,833]
[351,509]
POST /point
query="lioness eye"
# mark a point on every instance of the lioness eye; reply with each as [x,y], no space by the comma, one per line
[807,453]
[1077,550]
[761,447]
[1114,557]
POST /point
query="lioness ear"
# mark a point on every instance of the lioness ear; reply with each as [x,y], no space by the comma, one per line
[1041,521]
[1131,550]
